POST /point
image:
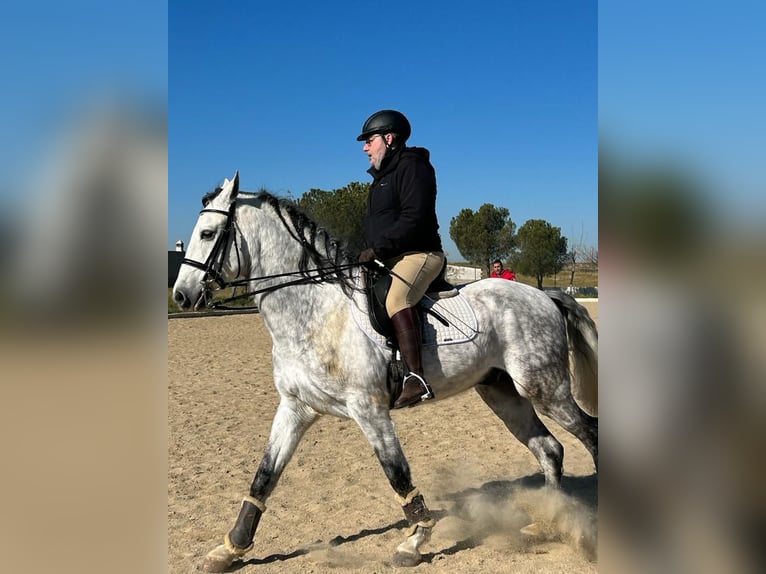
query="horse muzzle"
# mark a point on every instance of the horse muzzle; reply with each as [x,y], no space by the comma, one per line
[185,303]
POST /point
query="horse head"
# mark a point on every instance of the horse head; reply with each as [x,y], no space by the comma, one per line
[210,258]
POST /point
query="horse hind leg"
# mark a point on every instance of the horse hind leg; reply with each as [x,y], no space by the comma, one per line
[499,393]
[290,423]
[579,423]
[380,432]
[562,408]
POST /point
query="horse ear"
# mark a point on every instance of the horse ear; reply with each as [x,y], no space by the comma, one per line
[230,188]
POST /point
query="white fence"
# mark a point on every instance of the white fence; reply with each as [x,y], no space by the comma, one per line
[459,274]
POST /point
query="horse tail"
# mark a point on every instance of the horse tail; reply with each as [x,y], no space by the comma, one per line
[582,337]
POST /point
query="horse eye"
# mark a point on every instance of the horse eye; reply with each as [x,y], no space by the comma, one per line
[207,234]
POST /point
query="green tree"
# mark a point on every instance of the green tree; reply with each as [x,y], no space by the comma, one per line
[542,250]
[484,235]
[340,211]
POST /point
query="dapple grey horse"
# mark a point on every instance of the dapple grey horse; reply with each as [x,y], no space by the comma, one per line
[527,354]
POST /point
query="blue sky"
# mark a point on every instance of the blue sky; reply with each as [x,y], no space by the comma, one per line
[504,95]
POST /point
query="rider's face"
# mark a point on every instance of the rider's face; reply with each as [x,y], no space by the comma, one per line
[375,148]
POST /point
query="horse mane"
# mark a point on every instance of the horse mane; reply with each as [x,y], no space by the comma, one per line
[211,195]
[319,250]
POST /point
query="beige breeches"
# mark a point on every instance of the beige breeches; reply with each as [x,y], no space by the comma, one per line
[417,269]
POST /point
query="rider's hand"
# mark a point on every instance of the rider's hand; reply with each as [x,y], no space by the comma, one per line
[367,258]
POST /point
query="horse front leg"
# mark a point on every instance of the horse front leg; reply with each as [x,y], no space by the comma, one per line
[380,432]
[291,421]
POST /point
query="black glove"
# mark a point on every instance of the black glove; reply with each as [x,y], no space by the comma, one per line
[367,258]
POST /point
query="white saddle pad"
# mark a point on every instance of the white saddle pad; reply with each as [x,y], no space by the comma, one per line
[461,327]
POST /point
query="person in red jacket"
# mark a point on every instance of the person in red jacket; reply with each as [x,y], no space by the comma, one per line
[500,273]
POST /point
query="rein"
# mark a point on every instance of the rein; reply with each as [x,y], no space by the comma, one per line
[213,266]
[304,279]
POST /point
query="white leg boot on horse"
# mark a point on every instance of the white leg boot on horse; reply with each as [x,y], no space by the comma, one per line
[419,532]
[409,339]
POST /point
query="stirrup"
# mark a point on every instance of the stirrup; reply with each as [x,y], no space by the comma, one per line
[429,394]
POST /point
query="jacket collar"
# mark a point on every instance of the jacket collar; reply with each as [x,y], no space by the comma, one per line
[388,164]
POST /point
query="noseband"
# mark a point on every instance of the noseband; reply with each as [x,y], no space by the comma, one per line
[213,266]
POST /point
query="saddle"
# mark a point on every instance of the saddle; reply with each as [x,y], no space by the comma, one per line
[377,286]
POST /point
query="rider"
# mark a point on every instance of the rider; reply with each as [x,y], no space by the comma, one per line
[402,231]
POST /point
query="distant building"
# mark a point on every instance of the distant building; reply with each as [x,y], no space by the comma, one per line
[174,262]
[458,275]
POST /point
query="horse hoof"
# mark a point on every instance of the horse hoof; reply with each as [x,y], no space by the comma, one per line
[218,560]
[406,560]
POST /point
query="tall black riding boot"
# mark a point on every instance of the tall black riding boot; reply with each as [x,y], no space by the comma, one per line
[409,339]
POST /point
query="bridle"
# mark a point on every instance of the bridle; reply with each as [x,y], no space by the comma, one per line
[213,265]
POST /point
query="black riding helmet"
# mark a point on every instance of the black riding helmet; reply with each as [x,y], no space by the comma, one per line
[384,122]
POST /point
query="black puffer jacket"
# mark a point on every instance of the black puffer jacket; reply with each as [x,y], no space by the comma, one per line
[401,206]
